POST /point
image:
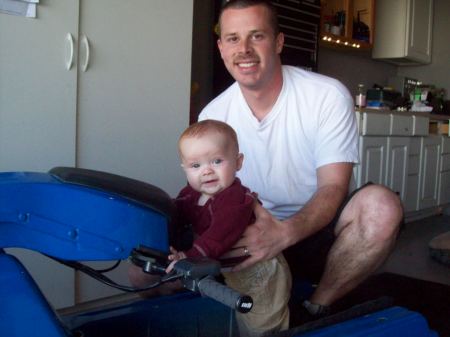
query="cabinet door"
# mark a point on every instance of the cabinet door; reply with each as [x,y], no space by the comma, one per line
[412,188]
[444,188]
[397,165]
[403,31]
[420,28]
[444,184]
[373,152]
[38,113]
[430,153]
[37,92]
[134,96]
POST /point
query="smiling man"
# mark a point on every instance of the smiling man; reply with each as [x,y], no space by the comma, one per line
[298,133]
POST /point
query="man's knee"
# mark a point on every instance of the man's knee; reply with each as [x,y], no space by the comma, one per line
[380,212]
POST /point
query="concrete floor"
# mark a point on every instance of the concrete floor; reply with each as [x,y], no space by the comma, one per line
[411,257]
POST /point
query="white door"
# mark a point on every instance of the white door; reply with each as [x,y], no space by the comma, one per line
[420,28]
[430,153]
[133,96]
[37,92]
[411,202]
[38,112]
[397,165]
[373,160]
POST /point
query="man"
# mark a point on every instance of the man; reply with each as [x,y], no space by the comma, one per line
[298,133]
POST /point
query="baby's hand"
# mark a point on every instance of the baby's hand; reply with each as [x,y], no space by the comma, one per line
[174,257]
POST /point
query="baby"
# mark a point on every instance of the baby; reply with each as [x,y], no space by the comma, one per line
[219,208]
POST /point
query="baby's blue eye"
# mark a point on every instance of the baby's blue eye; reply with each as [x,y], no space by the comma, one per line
[217,161]
[196,165]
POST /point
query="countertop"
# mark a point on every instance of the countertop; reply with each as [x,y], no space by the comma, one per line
[431,116]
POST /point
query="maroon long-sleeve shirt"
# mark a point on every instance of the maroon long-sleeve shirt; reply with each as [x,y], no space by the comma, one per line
[220,222]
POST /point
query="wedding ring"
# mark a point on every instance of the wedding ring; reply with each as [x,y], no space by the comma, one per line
[246,252]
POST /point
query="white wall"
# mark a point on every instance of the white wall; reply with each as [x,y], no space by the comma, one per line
[354,67]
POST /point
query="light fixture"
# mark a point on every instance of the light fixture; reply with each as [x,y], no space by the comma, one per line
[338,41]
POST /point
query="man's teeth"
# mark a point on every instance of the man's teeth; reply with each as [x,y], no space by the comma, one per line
[247,65]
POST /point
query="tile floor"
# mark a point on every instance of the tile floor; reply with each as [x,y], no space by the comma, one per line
[411,260]
[410,256]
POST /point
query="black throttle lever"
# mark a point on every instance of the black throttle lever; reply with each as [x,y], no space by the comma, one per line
[198,276]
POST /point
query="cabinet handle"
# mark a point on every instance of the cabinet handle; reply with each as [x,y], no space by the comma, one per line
[69,62]
[85,41]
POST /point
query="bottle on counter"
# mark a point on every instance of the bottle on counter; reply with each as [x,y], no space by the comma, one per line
[360,98]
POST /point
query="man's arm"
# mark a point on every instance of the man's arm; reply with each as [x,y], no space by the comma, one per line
[268,236]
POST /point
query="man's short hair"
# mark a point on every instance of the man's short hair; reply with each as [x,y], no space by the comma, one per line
[239,4]
[210,126]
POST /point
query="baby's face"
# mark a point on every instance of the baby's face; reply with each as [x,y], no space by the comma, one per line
[210,162]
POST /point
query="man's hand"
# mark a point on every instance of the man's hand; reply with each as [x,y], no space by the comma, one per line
[263,240]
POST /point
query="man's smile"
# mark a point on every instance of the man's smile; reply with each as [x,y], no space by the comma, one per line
[247,65]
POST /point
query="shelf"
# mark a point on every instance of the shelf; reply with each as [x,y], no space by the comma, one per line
[338,29]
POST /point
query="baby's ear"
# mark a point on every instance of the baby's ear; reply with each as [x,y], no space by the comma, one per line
[240,160]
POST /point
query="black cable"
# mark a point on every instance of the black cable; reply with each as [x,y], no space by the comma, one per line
[114,266]
[97,275]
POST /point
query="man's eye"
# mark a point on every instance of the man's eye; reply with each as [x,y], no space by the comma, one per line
[232,39]
[217,161]
[258,36]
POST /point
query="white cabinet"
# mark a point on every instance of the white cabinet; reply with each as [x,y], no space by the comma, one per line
[37,92]
[430,153]
[397,165]
[412,191]
[403,32]
[134,97]
[373,156]
[444,173]
[113,95]
[397,150]
[38,114]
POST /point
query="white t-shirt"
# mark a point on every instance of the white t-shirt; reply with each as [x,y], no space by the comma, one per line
[311,124]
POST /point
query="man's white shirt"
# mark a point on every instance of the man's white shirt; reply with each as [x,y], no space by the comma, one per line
[311,124]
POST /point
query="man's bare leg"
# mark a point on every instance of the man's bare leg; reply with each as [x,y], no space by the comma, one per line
[366,232]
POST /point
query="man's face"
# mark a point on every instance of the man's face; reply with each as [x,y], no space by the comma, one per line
[210,162]
[248,46]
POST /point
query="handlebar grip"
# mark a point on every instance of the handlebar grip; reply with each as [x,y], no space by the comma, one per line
[225,295]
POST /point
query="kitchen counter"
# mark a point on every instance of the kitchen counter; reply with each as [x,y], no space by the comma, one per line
[410,153]
[431,116]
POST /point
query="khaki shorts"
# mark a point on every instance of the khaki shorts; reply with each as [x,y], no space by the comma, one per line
[269,285]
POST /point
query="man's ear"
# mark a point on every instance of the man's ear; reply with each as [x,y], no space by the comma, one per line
[279,42]
[219,45]
[240,160]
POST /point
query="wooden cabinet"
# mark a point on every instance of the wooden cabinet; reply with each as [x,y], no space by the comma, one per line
[404,31]
[94,84]
[347,23]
